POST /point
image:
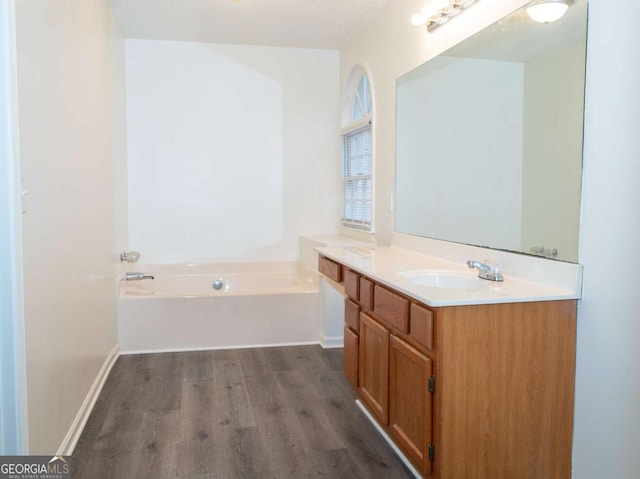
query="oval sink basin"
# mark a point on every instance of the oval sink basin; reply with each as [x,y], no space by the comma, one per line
[443,279]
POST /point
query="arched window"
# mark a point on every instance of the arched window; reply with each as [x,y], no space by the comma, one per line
[357,157]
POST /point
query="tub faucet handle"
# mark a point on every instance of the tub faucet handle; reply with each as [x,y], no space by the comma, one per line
[129,257]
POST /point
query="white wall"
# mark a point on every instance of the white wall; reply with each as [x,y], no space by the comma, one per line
[608,378]
[554,102]
[607,419]
[119,112]
[67,104]
[230,149]
[458,198]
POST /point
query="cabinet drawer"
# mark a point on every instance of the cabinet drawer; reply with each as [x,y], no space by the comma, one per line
[366,294]
[352,315]
[391,307]
[351,356]
[330,269]
[352,284]
[421,325]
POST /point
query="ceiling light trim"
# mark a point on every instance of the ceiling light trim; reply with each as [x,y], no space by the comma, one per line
[547,11]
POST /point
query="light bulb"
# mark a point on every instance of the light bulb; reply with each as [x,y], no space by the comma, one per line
[418,20]
[547,12]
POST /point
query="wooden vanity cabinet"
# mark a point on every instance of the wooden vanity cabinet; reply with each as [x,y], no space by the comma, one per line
[394,384]
[352,285]
[392,308]
[466,392]
[421,328]
[350,362]
[330,269]
[366,294]
[352,315]
[352,326]
[391,376]
[505,390]
[373,378]
[410,398]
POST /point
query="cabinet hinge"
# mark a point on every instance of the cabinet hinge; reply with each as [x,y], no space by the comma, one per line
[432,452]
[432,384]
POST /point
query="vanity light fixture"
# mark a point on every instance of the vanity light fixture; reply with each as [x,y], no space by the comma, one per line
[547,11]
[439,12]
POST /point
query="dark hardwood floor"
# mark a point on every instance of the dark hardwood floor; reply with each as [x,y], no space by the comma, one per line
[253,413]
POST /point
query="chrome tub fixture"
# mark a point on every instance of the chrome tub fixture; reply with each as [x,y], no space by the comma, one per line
[129,257]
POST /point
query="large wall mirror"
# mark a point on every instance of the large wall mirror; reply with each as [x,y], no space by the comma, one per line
[489,138]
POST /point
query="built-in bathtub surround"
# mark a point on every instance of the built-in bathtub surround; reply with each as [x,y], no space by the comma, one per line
[258,304]
[231,150]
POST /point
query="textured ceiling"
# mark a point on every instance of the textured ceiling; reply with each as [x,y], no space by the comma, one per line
[292,23]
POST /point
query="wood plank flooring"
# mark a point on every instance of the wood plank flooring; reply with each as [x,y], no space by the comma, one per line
[252,413]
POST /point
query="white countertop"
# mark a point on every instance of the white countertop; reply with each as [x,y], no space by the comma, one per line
[384,264]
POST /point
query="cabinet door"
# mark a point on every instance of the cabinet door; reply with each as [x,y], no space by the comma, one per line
[410,401]
[374,367]
[351,356]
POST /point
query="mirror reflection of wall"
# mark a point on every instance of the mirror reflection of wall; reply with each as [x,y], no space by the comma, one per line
[489,138]
[552,150]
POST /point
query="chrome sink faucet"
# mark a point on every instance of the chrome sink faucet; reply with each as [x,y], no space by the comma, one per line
[486,271]
[137,276]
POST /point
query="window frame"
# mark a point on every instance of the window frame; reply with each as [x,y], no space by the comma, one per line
[365,123]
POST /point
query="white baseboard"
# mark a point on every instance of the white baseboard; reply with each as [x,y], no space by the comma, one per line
[386,437]
[75,431]
[329,342]
[217,348]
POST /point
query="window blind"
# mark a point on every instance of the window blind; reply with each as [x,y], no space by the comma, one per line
[356,178]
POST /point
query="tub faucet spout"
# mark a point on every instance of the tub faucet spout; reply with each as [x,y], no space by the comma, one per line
[137,276]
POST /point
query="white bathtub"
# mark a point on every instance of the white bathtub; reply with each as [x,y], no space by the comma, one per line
[260,304]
